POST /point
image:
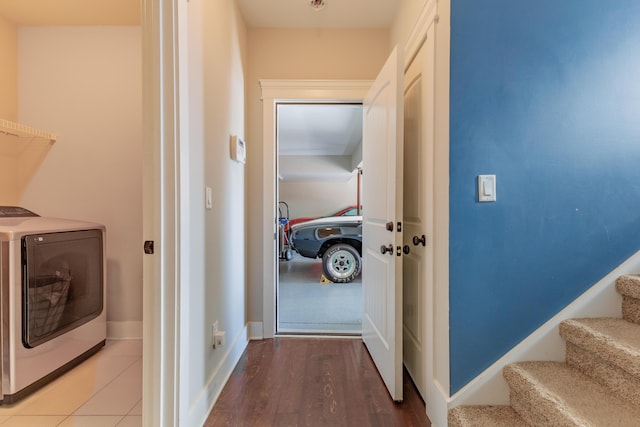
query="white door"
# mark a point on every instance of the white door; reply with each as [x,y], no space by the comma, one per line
[382,232]
[418,210]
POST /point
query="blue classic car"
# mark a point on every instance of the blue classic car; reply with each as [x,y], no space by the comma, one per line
[337,240]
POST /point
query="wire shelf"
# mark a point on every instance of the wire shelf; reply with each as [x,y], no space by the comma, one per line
[23,131]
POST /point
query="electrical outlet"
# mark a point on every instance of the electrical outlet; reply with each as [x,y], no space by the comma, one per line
[214,332]
[218,339]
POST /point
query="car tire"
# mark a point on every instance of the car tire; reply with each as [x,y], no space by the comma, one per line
[341,263]
[288,254]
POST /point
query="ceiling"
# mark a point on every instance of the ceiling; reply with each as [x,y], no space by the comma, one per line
[319,129]
[335,14]
[257,13]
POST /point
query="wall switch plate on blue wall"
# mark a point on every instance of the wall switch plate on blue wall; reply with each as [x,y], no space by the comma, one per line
[486,188]
[549,101]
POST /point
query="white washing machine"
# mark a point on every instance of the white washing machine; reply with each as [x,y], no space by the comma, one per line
[52,291]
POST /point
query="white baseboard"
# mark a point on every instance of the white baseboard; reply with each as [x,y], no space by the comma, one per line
[124,330]
[203,405]
[438,405]
[133,330]
[256,330]
[601,300]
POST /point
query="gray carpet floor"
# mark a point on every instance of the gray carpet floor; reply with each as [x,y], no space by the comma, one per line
[307,305]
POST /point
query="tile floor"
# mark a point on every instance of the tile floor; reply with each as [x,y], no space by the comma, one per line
[104,391]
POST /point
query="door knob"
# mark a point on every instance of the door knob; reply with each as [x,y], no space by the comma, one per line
[420,240]
[389,226]
[406,249]
[384,249]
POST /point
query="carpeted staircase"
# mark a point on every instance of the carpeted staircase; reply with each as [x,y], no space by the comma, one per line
[598,385]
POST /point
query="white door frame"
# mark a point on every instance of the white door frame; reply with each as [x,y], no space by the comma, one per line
[274,91]
[164,392]
[436,320]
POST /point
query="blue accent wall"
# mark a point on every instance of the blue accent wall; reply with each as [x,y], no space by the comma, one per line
[546,95]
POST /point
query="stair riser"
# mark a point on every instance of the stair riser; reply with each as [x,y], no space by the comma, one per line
[604,347]
[524,409]
[533,406]
[610,376]
[484,416]
[631,309]
[628,286]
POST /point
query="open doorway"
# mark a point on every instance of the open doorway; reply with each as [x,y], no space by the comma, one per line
[319,158]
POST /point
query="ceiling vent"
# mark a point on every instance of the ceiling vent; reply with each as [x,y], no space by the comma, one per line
[316,4]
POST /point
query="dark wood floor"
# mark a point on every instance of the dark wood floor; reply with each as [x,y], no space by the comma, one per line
[312,382]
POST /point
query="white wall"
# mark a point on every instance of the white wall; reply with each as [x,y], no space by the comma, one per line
[8,111]
[8,70]
[84,84]
[318,198]
[296,54]
[216,289]
[405,20]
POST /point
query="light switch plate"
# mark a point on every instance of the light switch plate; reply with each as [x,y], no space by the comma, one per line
[208,198]
[486,188]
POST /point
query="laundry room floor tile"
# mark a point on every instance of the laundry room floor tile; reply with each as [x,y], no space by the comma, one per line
[91,421]
[33,421]
[131,421]
[118,397]
[105,390]
[137,410]
[70,392]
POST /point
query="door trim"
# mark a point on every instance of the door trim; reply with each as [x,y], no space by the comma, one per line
[274,91]
[437,13]
[164,42]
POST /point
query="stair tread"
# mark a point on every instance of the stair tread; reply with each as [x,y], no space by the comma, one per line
[485,416]
[614,340]
[629,285]
[571,394]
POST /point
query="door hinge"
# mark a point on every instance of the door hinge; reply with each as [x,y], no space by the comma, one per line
[148,247]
